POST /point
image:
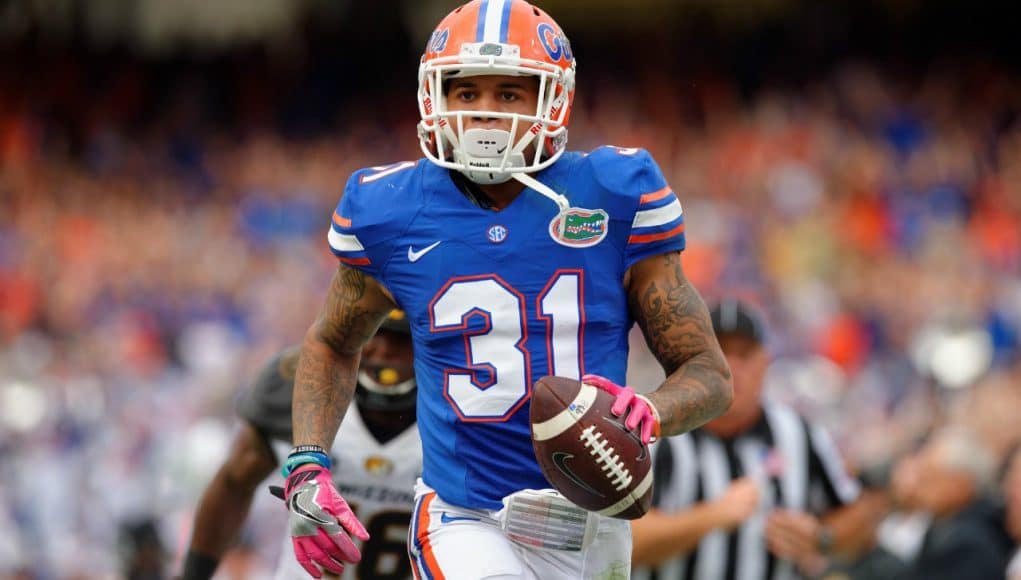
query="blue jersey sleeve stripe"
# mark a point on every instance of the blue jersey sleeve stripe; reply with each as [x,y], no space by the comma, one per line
[671,242]
[651,235]
[658,216]
[662,227]
[347,248]
[657,227]
[344,242]
[661,202]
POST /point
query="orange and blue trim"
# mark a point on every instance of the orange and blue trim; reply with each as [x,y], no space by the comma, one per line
[659,216]
[346,246]
[423,559]
[658,236]
[657,227]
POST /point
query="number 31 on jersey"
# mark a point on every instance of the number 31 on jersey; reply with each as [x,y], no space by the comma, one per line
[498,349]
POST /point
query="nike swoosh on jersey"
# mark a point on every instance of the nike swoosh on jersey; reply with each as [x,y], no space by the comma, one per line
[445,519]
[414,256]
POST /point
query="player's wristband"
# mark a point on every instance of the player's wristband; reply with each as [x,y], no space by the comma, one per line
[199,566]
[306,449]
[295,461]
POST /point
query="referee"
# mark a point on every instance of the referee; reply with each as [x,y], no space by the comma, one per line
[758,493]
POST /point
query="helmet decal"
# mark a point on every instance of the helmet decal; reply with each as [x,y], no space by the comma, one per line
[494,21]
[555,43]
[438,40]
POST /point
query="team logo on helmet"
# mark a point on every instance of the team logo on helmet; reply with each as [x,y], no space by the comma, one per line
[579,228]
[438,40]
[491,49]
[554,43]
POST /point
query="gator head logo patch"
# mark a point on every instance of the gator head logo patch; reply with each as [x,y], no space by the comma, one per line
[579,228]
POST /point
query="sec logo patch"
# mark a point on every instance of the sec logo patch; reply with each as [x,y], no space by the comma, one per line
[496,234]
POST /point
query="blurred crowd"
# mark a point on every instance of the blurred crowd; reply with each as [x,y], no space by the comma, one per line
[146,270]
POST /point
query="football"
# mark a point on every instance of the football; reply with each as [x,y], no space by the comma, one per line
[586,453]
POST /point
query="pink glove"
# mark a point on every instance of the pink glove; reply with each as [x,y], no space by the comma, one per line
[642,412]
[320,521]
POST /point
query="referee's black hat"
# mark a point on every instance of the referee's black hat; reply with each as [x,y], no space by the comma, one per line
[734,317]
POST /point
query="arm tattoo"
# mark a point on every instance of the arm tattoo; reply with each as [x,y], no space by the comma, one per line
[324,382]
[676,325]
[349,317]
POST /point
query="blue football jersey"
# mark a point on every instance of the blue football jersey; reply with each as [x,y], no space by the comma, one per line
[497,300]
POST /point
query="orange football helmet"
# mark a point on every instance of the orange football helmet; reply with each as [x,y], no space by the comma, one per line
[496,37]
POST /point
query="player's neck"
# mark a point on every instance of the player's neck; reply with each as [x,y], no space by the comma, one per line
[492,197]
[502,194]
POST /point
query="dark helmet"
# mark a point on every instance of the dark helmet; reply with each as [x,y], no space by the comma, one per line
[377,389]
[397,321]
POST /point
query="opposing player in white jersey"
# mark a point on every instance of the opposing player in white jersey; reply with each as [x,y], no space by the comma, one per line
[514,259]
[378,449]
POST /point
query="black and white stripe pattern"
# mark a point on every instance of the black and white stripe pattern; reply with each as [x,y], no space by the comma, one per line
[797,467]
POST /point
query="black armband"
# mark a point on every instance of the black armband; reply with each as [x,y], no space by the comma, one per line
[199,566]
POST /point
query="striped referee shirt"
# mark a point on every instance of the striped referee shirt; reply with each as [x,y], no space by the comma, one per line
[797,467]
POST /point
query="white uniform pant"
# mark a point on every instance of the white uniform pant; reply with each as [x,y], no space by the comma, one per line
[455,543]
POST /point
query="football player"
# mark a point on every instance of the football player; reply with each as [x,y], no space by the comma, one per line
[513,259]
[378,453]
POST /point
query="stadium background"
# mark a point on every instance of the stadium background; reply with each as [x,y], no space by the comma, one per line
[167,169]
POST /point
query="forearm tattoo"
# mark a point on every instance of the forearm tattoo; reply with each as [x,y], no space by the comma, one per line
[324,382]
[677,327]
